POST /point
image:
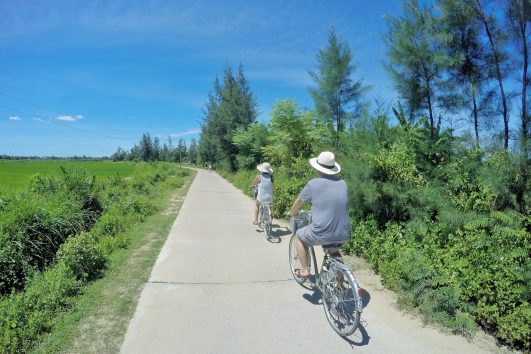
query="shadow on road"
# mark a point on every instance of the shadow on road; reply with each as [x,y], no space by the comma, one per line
[365,297]
[359,338]
[276,233]
[280,231]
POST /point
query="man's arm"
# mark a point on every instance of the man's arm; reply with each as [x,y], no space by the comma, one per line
[295,207]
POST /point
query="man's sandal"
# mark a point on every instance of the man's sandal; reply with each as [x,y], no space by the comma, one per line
[302,277]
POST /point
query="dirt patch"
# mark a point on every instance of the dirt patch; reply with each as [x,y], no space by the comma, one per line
[174,203]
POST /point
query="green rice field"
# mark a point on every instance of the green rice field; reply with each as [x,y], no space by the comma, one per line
[15,174]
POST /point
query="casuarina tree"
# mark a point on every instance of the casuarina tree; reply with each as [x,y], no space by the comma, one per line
[337,96]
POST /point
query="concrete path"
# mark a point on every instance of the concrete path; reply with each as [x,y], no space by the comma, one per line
[219,286]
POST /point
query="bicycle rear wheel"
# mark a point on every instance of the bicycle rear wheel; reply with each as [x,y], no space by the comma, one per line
[341,299]
[295,264]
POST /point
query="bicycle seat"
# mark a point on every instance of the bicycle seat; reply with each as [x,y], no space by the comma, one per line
[332,248]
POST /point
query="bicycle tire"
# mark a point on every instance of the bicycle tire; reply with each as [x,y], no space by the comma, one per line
[261,217]
[267,222]
[294,263]
[341,299]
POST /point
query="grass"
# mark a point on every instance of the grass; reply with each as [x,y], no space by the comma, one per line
[15,174]
[100,316]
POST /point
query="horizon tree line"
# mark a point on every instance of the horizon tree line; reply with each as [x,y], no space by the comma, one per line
[150,149]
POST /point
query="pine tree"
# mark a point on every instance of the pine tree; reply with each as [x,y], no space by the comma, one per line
[146,148]
[467,80]
[518,15]
[337,97]
[180,151]
[192,152]
[229,106]
[416,58]
[497,56]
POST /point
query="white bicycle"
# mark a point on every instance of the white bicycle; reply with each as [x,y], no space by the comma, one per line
[339,288]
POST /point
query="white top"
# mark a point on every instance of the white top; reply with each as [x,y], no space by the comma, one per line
[265,189]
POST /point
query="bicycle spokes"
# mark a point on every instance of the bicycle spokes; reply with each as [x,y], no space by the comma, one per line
[340,300]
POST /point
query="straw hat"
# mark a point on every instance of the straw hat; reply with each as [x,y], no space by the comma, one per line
[265,167]
[325,163]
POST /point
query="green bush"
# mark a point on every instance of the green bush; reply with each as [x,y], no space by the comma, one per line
[14,267]
[82,257]
[36,226]
[515,327]
[27,315]
[112,222]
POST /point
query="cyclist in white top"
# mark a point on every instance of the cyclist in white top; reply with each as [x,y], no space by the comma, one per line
[264,194]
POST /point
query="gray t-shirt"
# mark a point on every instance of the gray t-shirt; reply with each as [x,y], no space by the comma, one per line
[329,198]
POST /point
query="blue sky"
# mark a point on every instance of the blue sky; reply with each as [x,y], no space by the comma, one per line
[84,77]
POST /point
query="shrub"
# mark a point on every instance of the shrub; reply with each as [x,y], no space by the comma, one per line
[82,257]
[112,222]
[25,316]
[14,267]
[34,227]
[515,327]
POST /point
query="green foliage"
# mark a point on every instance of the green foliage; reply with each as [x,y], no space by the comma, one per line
[516,327]
[396,164]
[416,58]
[81,256]
[230,105]
[441,226]
[337,97]
[289,183]
[250,142]
[27,315]
[34,226]
[293,134]
[33,218]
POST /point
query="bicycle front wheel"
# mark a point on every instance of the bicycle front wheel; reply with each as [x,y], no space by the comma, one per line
[341,299]
[295,264]
[261,217]
[267,222]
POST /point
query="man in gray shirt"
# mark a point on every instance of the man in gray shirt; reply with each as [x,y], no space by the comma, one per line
[328,195]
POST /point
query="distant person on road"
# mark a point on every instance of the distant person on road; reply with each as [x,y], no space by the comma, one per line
[209,167]
[328,196]
[263,188]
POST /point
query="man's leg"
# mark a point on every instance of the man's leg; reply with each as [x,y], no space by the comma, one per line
[302,252]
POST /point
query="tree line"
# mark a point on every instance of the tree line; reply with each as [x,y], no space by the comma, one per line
[150,149]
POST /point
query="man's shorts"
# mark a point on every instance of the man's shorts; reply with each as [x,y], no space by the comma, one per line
[309,239]
[306,236]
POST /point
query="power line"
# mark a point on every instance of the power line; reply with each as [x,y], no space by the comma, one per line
[58,123]
[30,103]
[58,113]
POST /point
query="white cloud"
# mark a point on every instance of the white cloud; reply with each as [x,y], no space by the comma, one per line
[16,118]
[69,118]
[185,133]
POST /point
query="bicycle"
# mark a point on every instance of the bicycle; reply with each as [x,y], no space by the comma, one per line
[338,286]
[265,220]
